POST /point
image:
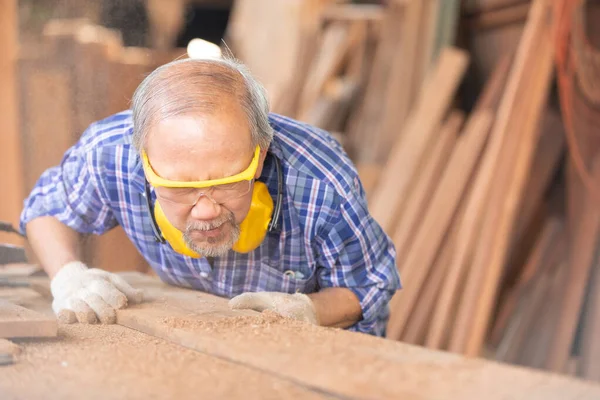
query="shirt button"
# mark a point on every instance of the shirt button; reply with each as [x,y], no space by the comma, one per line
[204,274]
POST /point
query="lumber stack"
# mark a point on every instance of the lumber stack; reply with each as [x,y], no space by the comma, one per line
[475,199]
[79,73]
[495,229]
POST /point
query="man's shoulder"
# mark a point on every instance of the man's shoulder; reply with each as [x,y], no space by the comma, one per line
[111,131]
[314,152]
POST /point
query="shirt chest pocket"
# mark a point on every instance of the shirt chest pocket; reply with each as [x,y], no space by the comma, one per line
[293,279]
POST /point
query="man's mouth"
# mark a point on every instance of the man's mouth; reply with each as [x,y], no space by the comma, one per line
[203,233]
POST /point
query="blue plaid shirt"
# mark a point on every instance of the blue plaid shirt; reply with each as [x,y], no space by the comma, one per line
[326,238]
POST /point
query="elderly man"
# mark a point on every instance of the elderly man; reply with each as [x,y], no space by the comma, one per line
[218,195]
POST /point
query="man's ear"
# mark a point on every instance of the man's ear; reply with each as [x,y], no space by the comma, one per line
[261,163]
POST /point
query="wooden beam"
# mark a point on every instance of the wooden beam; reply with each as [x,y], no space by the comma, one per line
[547,159]
[425,187]
[517,157]
[404,83]
[582,248]
[354,12]
[416,330]
[406,155]
[444,204]
[590,353]
[369,176]
[469,226]
[516,88]
[11,162]
[544,249]
[366,121]
[499,18]
[525,297]
[338,39]
[20,322]
[472,7]
[319,358]
[330,109]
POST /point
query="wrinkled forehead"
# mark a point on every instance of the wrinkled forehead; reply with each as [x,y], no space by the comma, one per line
[222,123]
[200,146]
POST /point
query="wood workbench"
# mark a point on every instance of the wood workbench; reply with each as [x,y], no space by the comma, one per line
[186,344]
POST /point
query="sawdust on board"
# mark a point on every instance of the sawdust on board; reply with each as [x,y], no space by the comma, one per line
[264,319]
[99,361]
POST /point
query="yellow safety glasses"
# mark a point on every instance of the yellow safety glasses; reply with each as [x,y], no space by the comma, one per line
[190,192]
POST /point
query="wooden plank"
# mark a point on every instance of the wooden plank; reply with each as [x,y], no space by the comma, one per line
[332,361]
[540,327]
[369,176]
[407,151]
[481,6]
[541,255]
[361,55]
[19,270]
[540,343]
[518,158]
[416,206]
[11,161]
[447,25]
[427,37]
[126,72]
[590,349]
[8,352]
[498,18]
[17,322]
[525,60]
[337,39]
[528,307]
[114,362]
[49,119]
[354,12]
[469,226]
[278,60]
[581,256]
[417,326]
[548,155]
[435,224]
[366,120]
[331,108]
[404,83]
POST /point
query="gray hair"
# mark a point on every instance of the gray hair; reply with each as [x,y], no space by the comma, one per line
[198,85]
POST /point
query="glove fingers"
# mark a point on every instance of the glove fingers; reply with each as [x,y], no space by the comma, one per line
[63,313]
[105,313]
[134,296]
[251,301]
[111,295]
[81,311]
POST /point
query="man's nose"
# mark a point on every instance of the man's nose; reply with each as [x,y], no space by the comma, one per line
[206,208]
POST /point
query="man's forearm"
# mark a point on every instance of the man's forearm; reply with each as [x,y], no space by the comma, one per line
[336,307]
[53,243]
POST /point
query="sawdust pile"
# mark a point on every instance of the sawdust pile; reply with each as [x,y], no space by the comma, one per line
[99,362]
[265,319]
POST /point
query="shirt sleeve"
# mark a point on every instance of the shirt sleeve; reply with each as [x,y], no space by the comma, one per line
[354,252]
[69,192]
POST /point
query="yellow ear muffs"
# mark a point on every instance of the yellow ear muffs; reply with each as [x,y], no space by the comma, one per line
[171,234]
[253,228]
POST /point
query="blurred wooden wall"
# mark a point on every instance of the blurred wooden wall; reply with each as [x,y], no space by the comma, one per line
[79,73]
[11,188]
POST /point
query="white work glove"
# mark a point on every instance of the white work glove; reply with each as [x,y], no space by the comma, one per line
[89,295]
[297,306]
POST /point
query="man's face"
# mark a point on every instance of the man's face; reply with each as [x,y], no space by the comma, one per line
[199,148]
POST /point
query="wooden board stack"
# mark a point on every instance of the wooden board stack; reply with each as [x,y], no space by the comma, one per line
[473,200]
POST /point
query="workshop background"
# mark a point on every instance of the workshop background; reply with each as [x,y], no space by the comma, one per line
[473,125]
